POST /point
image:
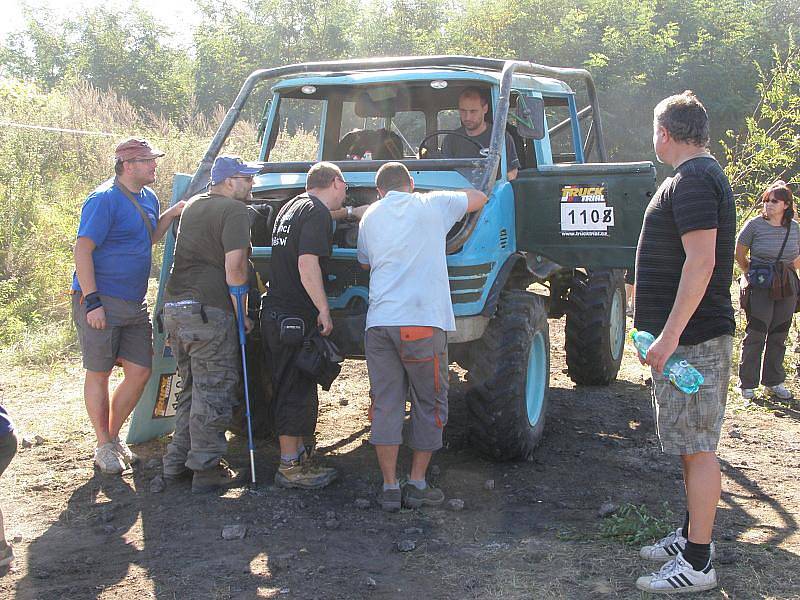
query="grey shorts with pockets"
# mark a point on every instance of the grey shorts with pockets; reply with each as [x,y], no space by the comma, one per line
[408,362]
[128,334]
[688,424]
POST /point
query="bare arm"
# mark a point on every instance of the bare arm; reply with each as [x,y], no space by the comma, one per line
[236,274]
[84,269]
[166,219]
[700,249]
[311,278]
[475,199]
[741,257]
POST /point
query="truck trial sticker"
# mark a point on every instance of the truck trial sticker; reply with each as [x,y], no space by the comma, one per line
[166,400]
[584,211]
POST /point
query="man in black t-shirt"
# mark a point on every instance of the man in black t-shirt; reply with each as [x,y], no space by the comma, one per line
[684,266]
[472,109]
[301,245]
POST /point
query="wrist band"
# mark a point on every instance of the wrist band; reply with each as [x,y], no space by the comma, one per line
[92,301]
[238,290]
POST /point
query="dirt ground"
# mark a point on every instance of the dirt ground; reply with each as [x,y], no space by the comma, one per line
[536,534]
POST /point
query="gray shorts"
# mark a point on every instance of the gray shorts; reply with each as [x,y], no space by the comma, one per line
[403,362]
[690,424]
[128,334]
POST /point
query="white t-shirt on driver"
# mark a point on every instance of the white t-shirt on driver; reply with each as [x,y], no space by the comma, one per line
[402,238]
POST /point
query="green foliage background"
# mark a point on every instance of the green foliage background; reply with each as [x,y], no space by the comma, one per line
[121,72]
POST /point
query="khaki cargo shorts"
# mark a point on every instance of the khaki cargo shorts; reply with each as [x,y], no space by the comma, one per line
[128,334]
[689,424]
[403,362]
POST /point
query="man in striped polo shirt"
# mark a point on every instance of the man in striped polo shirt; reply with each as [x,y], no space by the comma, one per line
[684,267]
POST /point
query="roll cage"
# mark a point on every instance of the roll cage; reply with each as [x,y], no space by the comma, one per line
[487,167]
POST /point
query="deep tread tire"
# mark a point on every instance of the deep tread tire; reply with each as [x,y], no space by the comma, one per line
[590,350]
[496,399]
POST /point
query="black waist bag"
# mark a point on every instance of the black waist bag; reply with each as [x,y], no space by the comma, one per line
[319,359]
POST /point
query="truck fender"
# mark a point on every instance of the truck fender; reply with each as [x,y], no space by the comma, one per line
[517,262]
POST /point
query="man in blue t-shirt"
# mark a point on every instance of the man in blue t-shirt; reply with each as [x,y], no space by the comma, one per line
[8,448]
[119,223]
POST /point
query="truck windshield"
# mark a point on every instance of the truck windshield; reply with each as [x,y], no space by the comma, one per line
[298,123]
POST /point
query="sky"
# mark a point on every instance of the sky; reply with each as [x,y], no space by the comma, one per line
[178,15]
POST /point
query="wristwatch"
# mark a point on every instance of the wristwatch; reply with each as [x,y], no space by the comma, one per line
[349,210]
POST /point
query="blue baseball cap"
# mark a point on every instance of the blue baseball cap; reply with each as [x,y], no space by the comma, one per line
[228,166]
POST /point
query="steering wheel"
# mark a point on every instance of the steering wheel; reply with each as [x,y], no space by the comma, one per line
[436,152]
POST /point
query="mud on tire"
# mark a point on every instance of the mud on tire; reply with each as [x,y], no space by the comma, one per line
[594,340]
[509,378]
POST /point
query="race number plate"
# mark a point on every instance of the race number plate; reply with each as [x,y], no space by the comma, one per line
[166,401]
[585,211]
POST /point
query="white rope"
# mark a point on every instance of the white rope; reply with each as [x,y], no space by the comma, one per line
[58,129]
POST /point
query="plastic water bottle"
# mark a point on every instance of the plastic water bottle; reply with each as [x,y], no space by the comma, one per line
[677,370]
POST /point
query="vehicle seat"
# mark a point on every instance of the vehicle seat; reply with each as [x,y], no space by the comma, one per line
[383,144]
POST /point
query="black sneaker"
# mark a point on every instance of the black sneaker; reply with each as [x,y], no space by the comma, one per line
[413,497]
[391,500]
[220,477]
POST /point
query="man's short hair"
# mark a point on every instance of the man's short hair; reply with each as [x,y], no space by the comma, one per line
[684,117]
[322,175]
[393,176]
[474,92]
[118,168]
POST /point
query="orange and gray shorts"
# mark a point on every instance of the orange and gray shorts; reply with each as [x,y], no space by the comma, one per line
[408,363]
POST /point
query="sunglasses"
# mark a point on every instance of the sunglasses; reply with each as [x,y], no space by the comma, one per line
[346,185]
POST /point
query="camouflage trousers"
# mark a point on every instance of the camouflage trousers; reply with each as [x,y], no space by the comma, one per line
[205,343]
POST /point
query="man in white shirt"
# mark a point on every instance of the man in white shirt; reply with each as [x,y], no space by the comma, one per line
[402,240]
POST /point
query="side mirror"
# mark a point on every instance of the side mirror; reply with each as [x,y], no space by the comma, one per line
[528,117]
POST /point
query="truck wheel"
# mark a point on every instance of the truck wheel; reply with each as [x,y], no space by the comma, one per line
[595,329]
[510,378]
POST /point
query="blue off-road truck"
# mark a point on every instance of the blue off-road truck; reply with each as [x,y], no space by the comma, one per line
[554,241]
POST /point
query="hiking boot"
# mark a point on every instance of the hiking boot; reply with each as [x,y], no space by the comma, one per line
[678,577]
[107,460]
[748,393]
[668,547]
[6,556]
[177,478]
[217,478]
[391,500]
[779,391]
[413,497]
[127,455]
[304,475]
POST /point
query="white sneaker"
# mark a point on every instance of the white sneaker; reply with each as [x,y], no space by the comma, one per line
[678,577]
[107,459]
[668,547]
[748,393]
[128,455]
[779,391]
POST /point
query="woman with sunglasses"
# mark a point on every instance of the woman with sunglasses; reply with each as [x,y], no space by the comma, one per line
[772,241]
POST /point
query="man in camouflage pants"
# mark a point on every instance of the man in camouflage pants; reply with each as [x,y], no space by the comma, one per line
[211,260]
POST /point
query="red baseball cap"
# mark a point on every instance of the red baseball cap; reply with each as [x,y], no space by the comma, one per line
[134,148]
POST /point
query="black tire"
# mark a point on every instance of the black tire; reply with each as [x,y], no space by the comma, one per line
[497,398]
[596,312]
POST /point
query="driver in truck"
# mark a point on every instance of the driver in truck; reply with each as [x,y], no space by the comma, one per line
[475,134]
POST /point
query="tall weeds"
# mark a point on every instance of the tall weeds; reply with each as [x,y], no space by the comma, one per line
[44,178]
